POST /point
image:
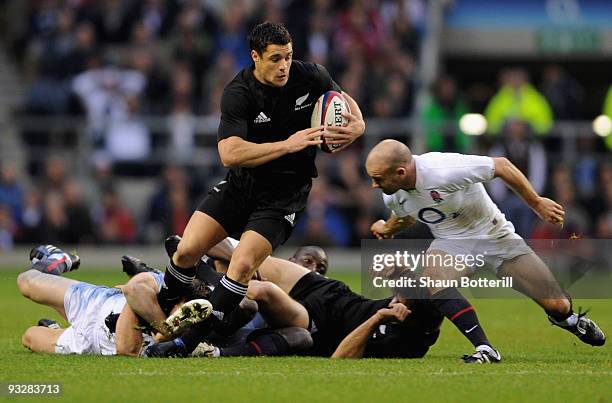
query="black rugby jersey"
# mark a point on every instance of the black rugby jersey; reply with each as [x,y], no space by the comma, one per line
[260,113]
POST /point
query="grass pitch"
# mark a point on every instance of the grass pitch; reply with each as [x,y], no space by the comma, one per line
[541,363]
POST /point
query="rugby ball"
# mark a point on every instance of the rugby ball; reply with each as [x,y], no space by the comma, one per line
[328,112]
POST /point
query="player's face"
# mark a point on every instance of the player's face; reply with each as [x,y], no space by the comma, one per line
[312,262]
[385,185]
[386,179]
[272,66]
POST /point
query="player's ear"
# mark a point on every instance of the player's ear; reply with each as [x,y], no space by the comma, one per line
[401,171]
[255,56]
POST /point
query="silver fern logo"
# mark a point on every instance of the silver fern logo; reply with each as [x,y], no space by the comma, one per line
[300,101]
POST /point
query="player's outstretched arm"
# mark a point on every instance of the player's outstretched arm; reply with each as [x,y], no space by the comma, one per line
[353,345]
[382,229]
[236,152]
[547,209]
[128,340]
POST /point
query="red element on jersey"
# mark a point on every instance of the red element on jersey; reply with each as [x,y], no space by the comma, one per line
[54,264]
[461,312]
[329,95]
[259,352]
[435,196]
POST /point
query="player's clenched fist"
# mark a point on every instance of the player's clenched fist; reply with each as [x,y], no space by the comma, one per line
[395,312]
[380,231]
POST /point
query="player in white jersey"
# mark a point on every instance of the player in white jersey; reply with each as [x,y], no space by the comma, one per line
[446,192]
[100,321]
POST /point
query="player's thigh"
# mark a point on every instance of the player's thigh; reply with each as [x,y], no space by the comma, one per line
[281,272]
[436,269]
[201,233]
[45,289]
[252,250]
[276,306]
[532,277]
[41,339]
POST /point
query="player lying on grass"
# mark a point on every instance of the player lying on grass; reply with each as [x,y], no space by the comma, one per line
[339,320]
[445,191]
[239,327]
[100,323]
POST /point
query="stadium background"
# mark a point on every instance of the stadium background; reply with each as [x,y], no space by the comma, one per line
[109,109]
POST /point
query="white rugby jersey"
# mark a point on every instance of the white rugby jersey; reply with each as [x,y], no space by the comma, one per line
[450,198]
[103,340]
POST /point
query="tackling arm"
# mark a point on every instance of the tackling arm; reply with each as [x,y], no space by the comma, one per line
[141,295]
[128,340]
[387,229]
[353,345]
[548,210]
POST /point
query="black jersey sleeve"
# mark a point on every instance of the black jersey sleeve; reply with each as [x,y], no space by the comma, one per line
[233,115]
[327,83]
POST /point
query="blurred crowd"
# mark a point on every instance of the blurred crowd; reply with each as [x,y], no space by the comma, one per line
[116,61]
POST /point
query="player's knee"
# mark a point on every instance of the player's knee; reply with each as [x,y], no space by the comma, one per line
[185,255]
[257,291]
[248,307]
[28,337]
[298,338]
[24,282]
[242,265]
[140,287]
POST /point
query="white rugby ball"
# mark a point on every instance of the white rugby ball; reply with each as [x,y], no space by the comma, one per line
[328,112]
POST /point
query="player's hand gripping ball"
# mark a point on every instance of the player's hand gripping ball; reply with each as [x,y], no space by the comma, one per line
[328,112]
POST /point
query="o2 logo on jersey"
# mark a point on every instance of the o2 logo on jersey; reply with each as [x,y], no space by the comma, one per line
[431,215]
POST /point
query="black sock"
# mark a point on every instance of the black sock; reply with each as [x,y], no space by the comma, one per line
[198,333]
[234,321]
[450,303]
[264,344]
[227,296]
[176,284]
[247,349]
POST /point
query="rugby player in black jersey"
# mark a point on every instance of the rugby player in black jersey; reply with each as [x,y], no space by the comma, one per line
[341,323]
[266,141]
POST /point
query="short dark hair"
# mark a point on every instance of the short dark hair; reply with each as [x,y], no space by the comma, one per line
[268,33]
[317,253]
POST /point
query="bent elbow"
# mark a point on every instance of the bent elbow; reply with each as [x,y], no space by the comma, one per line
[128,289]
[501,166]
[126,352]
[228,158]
[228,162]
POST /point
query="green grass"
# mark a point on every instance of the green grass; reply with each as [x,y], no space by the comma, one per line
[541,363]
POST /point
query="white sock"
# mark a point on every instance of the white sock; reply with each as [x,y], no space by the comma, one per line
[488,349]
[572,320]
